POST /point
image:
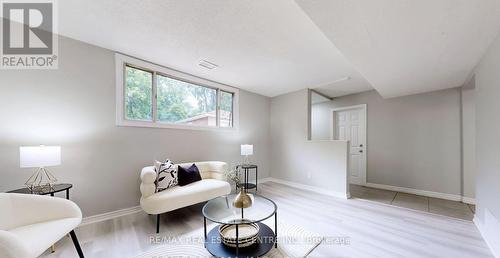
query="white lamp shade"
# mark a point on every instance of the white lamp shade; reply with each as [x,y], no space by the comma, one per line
[246,149]
[39,156]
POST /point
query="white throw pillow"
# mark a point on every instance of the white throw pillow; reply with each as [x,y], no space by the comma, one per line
[166,175]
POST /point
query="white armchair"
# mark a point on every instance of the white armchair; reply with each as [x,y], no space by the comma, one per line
[30,224]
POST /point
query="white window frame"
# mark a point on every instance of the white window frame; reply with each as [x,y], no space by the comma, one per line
[122,60]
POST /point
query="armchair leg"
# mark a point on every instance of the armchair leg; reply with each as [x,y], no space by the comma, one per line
[157,223]
[77,245]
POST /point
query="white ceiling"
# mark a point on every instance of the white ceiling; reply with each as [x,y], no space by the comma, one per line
[345,86]
[398,47]
[405,47]
[317,98]
[267,47]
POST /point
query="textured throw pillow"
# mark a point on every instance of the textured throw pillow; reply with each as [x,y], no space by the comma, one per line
[188,175]
[166,175]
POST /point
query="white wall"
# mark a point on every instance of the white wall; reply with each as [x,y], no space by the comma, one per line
[74,107]
[320,121]
[469,142]
[412,141]
[320,164]
[487,146]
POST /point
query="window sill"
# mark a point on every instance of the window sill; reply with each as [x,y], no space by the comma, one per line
[146,124]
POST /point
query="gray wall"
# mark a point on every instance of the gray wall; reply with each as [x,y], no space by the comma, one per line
[74,107]
[488,136]
[320,121]
[469,142]
[412,141]
[321,164]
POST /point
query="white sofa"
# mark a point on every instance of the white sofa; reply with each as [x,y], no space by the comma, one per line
[30,224]
[212,185]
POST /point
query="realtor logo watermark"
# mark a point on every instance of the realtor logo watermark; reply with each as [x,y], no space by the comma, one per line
[29,34]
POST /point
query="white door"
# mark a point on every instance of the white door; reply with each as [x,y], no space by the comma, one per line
[350,126]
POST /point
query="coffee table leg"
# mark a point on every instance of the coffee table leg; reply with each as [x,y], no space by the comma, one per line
[237,242]
[276,229]
[67,193]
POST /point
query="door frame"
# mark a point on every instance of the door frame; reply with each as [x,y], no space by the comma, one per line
[333,132]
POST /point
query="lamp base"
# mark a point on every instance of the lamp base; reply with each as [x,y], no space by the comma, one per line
[246,160]
[42,180]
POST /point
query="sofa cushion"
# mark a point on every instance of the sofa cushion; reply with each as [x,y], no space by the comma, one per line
[209,169]
[188,175]
[166,175]
[178,197]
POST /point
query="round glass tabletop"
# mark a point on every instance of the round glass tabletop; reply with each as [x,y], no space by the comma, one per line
[221,210]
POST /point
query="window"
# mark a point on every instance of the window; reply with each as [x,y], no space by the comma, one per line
[154,96]
[226,109]
[138,94]
[185,103]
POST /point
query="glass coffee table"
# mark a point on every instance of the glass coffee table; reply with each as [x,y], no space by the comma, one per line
[221,211]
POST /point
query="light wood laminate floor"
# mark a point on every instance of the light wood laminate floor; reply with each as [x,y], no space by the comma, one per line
[449,208]
[372,229]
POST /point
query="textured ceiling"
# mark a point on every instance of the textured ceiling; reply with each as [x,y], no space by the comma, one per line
[267,47]
[405,47]
[398,47]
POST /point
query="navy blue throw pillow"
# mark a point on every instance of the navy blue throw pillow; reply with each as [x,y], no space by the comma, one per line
[189,175]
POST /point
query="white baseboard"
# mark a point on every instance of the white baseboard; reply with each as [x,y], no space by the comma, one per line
[490,230]
[307,187]
[266,179]
[451,197]
[109,215]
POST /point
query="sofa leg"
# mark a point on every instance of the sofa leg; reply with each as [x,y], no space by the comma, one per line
[157,223]
[75,242]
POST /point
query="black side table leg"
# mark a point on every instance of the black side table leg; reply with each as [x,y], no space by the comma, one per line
[67,193]
[256,179]
[246,180]
[77,245]
[248,177]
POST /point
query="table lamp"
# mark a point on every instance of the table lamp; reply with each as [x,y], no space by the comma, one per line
[246,150]
[40,157]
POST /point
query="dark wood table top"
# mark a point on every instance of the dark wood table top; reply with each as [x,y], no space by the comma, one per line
[56,188]
[246,166]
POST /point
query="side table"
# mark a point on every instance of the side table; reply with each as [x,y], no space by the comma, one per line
[55,189]
[246,169]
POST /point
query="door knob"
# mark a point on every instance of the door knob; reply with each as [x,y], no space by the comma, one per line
[361,151]
[361,145]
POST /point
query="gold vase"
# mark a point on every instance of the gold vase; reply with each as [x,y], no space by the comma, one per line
[242,200]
